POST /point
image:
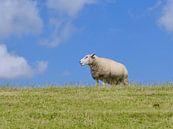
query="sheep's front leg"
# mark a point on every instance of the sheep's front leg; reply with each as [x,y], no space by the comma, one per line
[97,83]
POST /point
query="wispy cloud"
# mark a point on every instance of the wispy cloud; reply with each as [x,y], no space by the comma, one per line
[13,66]
[66,73]
[166,20]
[19,17]
[41,67]
[62,31]
[155,6]
[62,14]
[68,8]
[110,1]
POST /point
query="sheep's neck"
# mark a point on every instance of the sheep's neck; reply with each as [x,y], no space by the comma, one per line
[93,66]
[94,69]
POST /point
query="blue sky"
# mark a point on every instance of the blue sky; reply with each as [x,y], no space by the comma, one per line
[42,41]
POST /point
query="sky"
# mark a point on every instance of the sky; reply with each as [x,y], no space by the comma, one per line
[42,41]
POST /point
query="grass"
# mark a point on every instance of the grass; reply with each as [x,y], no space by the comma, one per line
[133,107]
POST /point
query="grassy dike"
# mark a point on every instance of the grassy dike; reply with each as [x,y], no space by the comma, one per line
[133,107]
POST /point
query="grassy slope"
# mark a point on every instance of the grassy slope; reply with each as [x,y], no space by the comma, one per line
[86,108]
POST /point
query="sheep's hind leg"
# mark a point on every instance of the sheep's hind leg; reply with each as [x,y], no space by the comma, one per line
[125,81]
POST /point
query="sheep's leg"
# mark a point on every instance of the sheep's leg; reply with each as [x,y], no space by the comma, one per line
[121,81]
[103,83]
[113,82]
[97,83]
[125,81]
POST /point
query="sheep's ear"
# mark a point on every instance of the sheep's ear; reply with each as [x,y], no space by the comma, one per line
[92,55]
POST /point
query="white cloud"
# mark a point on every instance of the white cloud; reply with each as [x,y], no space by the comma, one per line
[13,66]
[166,20]
[19,17]
[22,17]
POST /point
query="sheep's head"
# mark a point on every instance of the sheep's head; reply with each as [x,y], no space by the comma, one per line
[88,59]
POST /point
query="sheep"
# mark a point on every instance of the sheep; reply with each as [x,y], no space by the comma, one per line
[106,70]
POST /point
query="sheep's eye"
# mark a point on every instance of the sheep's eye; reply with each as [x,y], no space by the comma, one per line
[86,57]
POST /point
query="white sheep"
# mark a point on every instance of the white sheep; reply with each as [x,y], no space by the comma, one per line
[106,70]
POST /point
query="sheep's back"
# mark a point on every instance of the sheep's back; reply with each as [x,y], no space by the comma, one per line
[110,67]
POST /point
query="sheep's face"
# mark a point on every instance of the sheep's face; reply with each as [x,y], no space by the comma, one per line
[87,60]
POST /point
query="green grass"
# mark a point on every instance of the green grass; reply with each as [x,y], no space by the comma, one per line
[133,107]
